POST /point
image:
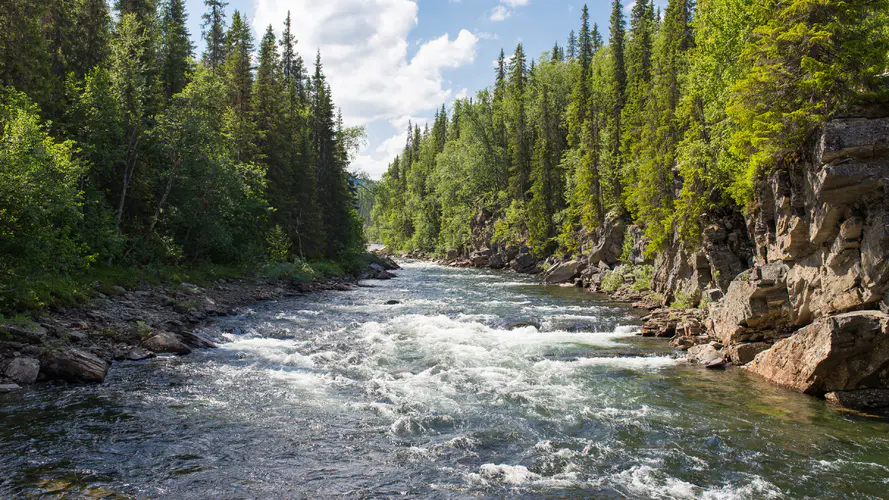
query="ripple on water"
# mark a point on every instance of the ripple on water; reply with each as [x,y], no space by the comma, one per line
[338,395]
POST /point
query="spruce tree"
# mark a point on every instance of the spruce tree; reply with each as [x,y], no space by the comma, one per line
[214,33]
[520,167]
[618,96]
[177,48]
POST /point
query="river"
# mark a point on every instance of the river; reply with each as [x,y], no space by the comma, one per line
[443,395]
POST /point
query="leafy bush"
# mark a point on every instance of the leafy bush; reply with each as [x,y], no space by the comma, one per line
[683,300]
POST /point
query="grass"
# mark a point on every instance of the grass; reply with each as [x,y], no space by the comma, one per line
[30,296]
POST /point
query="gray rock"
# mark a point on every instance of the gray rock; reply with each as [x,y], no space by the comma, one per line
[197,340]
[524,263]
[26,334]
[9,388]
[562,273]
[23,370]
[166,343]
[73,365]
[139,354]
[705,355]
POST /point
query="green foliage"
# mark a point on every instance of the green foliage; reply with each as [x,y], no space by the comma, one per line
[637,277]
[683,301]
[138,157]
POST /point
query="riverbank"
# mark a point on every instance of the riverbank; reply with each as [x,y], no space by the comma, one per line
[78,344]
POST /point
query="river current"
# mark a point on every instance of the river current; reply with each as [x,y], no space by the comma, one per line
[476,384]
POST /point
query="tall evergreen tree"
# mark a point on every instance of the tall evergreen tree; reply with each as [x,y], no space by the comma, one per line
[214,33]
[520,154]
[618,96]
[176,49]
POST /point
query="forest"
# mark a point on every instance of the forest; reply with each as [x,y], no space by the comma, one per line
[670,120]
[122,147]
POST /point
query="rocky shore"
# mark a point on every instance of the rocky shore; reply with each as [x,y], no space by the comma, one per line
[795,290]
[79,345]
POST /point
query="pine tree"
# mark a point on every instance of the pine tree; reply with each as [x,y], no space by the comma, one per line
[177,48]
[520,167]
[214,33]
[572,46]
[93,34]
[618,96]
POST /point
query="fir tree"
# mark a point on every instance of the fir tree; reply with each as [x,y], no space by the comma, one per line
[214,33]
[177,48]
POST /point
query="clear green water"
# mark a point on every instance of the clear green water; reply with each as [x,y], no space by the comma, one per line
[339,395]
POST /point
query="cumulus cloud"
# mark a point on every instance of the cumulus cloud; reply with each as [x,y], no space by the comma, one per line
[364,49]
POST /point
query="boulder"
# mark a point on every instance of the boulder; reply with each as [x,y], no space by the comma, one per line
[23,333]
[705,354]
[197,340]
[73,365]
[497,261]
[23,371]
[755,307]
[562,273]
[166,343]
[608,241]
[741,354]
[9,388]
[839,353]
[524,263]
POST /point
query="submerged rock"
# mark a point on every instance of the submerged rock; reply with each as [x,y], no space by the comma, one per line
[166,343]
[73,365]
[840,353]
[862,399]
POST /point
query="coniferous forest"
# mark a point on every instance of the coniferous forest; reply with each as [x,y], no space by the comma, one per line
[662,117]
[123,144]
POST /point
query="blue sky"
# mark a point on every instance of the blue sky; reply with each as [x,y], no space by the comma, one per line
[391,61]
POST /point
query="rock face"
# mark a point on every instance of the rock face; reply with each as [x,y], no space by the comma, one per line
[840,353]
[820,230]
[73,365]
[524,263]
[166,343]
[23,371]
[563,272]
[755,308]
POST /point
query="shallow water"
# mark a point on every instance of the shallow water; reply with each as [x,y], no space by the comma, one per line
[337,394]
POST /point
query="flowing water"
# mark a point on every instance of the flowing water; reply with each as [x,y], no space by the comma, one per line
[444,395]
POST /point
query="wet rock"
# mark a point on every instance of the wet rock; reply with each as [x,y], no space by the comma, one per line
[166,343]
[497,261]
[862,399]
[392,302]
[515,324]
[23,371]
[706,355]
[563,272]
[839,353]
[73,365]
[197,340]
[9,388]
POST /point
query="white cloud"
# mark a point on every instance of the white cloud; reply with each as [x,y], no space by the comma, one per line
[364,50]
[504,10]
[499,13]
